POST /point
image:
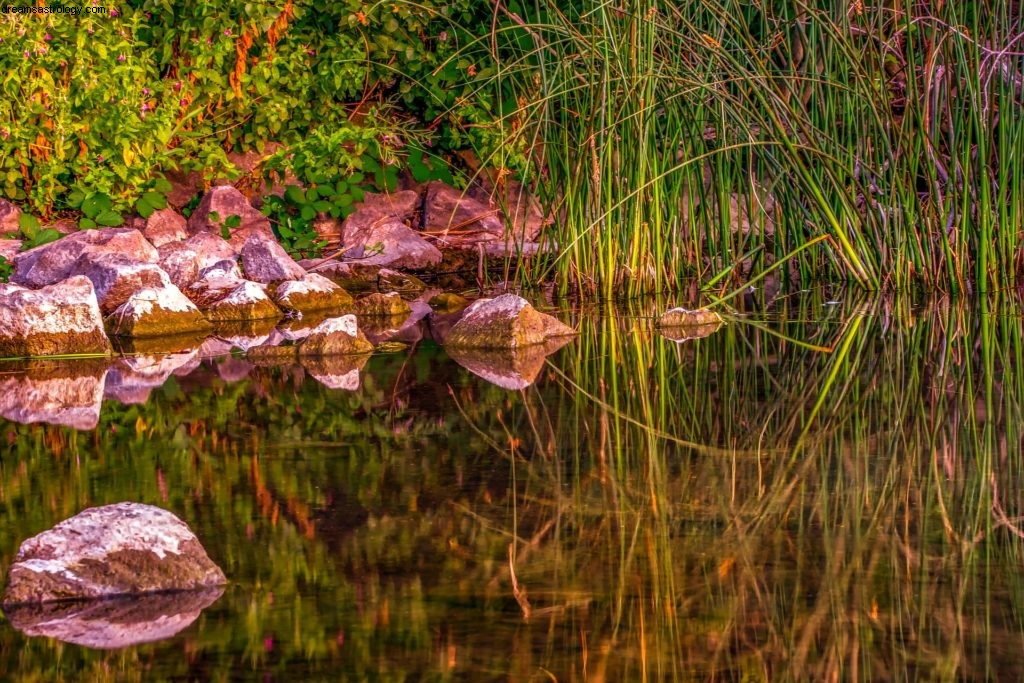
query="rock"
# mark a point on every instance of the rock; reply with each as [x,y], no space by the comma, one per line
[400,328]
[521,212]
[56,392]
[53,262]
[511,369]
[113,624]
[335,336]
[245,334]
[226,201]
[156,312]
[329,230]
[117,277]
[504,322]
[393,244]
[456,218]
[228,299]
[185,261]
[684,317]
[379,208]
[359,277]
[385,305]
[121,549]
[227,268]
[9,249]
[336,372]
[60,319]
[447,302]
[266,261]
[165,226]
[311,293]
[9,217]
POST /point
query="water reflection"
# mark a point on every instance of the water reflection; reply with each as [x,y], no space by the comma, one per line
[821,492]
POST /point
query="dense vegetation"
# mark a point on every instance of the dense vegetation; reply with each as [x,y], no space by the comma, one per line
[878,144]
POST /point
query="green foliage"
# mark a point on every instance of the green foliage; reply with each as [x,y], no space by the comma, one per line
[34,233]
[6,270]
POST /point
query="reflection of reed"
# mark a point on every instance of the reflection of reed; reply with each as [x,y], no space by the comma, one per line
[843,515]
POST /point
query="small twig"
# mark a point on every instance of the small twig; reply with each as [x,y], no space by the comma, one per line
[518,591]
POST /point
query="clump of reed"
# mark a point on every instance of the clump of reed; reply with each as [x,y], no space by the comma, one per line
[713,139]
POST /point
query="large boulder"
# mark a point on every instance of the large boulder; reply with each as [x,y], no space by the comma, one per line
[334,337]
[504,322]
[60,319]
[55,392]
[53,262]
[184,261]
[218,205]
[157,312]
[522,212]
[117,277]
[311,293]
[9,249]
[266,261]
[224,299]
[383,305]
[165,226]
[120,549]
[392,243]
[379,208]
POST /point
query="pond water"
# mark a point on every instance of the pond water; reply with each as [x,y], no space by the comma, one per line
[823,490]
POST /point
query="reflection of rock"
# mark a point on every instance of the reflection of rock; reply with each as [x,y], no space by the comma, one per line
[133,378]
[336,372]
[245,335]
[60,393]
[379,328]
[335,336]
[120,549]
[680,324]
[114,623]
[384,305]
[508,368]
[506,321]
[233,369]
[177,343]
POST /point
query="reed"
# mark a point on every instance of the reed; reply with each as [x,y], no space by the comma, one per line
[695,139]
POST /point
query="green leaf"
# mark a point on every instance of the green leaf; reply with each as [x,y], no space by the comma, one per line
[46,236]
[295,194]
[86,223]
[155,199]
[225,232]
[95,204]
[307,212]
[162,185]
[322,206]
[29,225]
[214,217]
[75,199]
[312,195]
[144,208]
[233,221]
[110,219]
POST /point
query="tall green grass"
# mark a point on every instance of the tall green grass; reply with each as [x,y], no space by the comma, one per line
[709,139]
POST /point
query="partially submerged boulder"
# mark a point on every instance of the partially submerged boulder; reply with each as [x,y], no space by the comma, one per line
[504,322]
[685,317]
[335,337]
[53,262]
[312,293]
[117,277]
[114,550]
[266,261]
[157,312]
[60,319]
[227,299]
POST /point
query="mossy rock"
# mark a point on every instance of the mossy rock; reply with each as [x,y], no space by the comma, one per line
[382,305]
[312,293]
[447,302]
[504,322]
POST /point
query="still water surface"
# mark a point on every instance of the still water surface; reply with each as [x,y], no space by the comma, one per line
[814,492]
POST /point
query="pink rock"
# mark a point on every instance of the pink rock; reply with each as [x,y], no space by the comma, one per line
[266,261]
[117,277]
[133,378]
[456,217]
[184,261]
[393,244]
[164,226]
[59,319]
[375,208]
[9,249]
[54,262]
[521,212]
[226,201]
[504,322]
[9,215]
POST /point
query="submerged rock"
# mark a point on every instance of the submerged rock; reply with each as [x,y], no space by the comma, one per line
[335,336]
[504,322]
[681,324]
[111,624]
[385,305]
[55,392]
[511,369]
[311,293]
[447,302]
[60,319]
[120,549]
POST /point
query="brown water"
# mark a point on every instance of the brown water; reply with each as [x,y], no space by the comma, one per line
[815,492]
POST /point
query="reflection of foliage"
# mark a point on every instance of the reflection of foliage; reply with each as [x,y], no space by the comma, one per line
[733,506]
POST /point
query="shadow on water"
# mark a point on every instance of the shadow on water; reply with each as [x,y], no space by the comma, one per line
[828,492]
